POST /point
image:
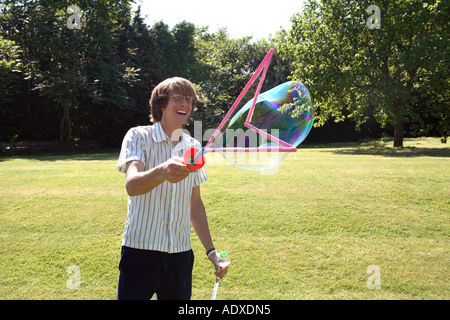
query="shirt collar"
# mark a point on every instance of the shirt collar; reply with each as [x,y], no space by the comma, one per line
[161,136]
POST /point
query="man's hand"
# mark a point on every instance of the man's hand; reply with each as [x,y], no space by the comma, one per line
[220,272]
[176,170]
[140,181]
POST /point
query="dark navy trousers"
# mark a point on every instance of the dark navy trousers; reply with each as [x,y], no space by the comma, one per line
[142,273]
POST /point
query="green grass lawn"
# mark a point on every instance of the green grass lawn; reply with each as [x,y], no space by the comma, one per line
[309,231]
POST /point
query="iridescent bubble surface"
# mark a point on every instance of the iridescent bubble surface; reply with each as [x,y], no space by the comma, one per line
[282,117]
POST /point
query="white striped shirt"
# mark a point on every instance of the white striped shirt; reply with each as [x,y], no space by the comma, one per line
[160,219]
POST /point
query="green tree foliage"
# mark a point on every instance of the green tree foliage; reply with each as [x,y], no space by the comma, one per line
[10,63]
[224,66]
[94,82]
[10,69]
[156,53]
[89,81]
[74,69]
[398,72]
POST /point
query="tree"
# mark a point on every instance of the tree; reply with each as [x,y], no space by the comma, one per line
[73,68]
[10,69]
[391,72]
[156,53]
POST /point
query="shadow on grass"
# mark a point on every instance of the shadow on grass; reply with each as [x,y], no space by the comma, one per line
[56,150]
[384,148]
[91,155]
[396,152]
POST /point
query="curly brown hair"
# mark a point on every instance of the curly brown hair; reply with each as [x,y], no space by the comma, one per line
[161,93]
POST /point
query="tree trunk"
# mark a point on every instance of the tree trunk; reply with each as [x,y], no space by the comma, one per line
[398,125]
[66,125]
[398,135]
[28,104]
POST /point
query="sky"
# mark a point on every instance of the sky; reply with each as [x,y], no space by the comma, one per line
[257,18]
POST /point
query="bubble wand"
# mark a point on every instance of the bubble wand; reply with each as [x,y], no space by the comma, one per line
[286,108]
[193,161]
[222,261]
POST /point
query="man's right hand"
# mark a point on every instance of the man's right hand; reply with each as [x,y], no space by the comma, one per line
[176,170]
[139,181]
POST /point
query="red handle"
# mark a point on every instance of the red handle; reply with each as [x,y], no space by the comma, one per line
[189,155]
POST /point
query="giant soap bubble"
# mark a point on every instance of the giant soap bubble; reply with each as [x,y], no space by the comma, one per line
[281,119]
[261,129]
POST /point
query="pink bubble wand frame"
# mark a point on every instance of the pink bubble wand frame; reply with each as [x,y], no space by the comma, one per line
[284,146]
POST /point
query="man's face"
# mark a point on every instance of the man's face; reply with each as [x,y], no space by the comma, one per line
[178,109]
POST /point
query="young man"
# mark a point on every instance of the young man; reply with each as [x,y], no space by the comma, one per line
[164,199]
